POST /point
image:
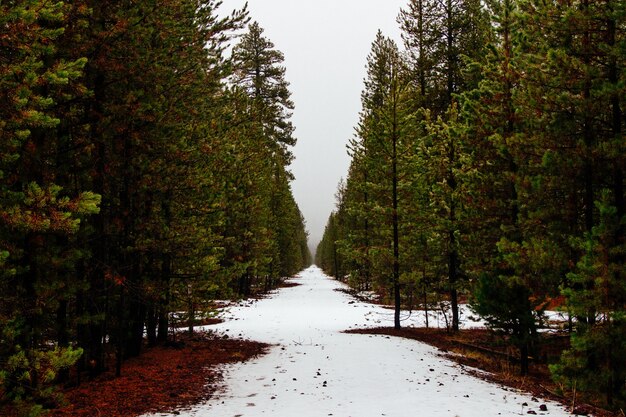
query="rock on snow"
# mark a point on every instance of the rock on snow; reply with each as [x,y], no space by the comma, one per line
[315,370]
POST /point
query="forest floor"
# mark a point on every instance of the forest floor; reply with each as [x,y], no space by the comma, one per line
[487,356]
[313,368]
[308,366]
[166,378]
[162,378]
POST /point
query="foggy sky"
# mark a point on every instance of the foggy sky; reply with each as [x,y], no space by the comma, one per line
[325,43]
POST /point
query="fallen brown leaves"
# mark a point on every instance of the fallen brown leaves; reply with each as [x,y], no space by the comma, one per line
[161,379]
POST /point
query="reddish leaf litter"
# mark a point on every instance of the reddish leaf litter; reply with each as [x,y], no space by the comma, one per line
[202,322]
[478,350]
[161,379]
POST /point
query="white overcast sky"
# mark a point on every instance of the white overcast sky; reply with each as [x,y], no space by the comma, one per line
[326,43]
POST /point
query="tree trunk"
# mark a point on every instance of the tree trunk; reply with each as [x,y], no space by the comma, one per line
[395,220]
[616,382]
[425,306]
[136,311]
[151,325]
[589,141]
[366,265]
[618,174]
[524,358]
[191,311]
[336,262]
[453,256]
[29,337]
[121,333]
[166,274]
[63,338]
[164,316]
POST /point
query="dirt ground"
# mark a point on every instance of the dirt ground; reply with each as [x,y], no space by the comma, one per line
[161,379]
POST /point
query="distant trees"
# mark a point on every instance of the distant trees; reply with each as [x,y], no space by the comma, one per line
[138,176]
[515,180]
[277,226]
[328,256]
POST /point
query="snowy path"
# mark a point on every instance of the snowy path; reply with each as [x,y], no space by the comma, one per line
[317,371]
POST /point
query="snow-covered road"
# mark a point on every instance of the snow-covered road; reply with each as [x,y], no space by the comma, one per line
[315,370]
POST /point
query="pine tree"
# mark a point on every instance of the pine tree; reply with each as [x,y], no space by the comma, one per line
[577,94]
[259,71]
[380,150]
[593,362]
[437,35]
[259,75]
[497,169]
[39,217]
[441,155]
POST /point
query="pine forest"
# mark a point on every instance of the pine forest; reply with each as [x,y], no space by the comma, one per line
[142,173]
[146,153]
[488,167]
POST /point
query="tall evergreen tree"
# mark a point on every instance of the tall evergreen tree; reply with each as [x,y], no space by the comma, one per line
[259,71]
[39,217]
[577,99]
[381,150]
[259,74]
[437,35]
[498,168]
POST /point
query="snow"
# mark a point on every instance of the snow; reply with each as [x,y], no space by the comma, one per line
[438,317]
[315,370]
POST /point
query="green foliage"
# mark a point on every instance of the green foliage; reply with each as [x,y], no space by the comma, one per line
[29,377]
[401,211]
[512,174]
[37,210]
[505,304]
[258,70]
[576,113]
[133,179]
[275,237]
[593,363]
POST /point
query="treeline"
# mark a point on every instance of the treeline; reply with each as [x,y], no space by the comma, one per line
[143,170]
[489,164]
